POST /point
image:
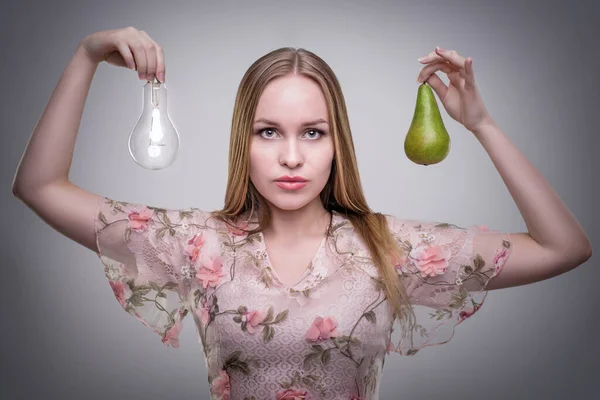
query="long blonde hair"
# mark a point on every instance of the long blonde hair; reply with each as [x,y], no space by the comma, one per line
[343,191]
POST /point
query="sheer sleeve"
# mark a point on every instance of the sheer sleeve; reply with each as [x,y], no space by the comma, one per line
[146,252]
[445,269]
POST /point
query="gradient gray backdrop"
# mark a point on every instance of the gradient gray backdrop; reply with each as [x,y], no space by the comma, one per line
[63,334]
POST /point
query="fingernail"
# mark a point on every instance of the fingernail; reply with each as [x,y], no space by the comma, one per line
[161,76]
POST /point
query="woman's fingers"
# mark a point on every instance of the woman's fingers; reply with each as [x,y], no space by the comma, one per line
[470,75]
[435,66]
[160,58]
[452,56]
[125,52]
[150,51]
[160,62]
[438,86]
[139,54]
[127,47]
[431,57]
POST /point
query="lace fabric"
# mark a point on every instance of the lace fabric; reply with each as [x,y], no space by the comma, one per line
[142,249]
[327,336]
[446,271]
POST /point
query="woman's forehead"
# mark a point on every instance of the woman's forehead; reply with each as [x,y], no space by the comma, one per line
[293,103]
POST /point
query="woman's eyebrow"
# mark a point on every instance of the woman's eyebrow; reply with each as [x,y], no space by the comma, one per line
[315,122]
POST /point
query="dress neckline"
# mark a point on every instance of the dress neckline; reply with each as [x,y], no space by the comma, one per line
[309,269]
[304,275]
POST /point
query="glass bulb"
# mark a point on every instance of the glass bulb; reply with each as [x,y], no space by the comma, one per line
[154,141]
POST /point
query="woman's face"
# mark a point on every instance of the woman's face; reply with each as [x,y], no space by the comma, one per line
[291,138]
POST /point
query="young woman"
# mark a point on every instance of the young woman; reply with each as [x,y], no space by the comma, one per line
[297,288]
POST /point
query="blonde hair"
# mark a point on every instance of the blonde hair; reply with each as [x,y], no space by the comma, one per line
[343,191]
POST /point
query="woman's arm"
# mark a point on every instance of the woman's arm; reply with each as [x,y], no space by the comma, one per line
[555,242]
[42,177]
[49,152]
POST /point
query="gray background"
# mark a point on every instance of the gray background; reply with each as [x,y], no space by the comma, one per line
[64,335]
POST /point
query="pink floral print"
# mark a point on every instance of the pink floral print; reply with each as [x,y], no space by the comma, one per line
[322,329]
[253,319]
[172,335]
[204,311]
[122,291]
[220,386]
[193,247]
[431,260]
[210,273]
[500,257]
[139,220]
[467,313]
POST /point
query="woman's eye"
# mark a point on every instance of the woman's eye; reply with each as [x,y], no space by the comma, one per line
[317,132]
[262,133]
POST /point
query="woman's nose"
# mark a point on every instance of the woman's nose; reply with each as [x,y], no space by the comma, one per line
[290,153]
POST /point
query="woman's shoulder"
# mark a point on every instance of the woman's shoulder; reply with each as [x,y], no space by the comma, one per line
[408,225]
[137,215]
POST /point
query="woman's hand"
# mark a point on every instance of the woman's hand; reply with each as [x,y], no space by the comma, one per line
[127,47]
[460,98]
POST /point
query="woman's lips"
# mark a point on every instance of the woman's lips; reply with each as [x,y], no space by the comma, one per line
[289,185]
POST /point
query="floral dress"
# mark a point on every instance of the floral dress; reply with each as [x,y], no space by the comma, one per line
[325,337]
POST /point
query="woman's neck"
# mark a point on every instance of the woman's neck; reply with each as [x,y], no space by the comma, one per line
[310,220]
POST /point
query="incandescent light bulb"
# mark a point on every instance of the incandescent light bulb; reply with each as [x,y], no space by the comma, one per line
[154,141]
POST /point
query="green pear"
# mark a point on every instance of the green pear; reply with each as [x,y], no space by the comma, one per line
[427,141]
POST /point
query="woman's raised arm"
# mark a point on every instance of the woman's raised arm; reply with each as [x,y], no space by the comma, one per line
[42,177]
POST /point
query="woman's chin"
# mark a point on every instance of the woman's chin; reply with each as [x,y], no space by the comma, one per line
[289,203]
